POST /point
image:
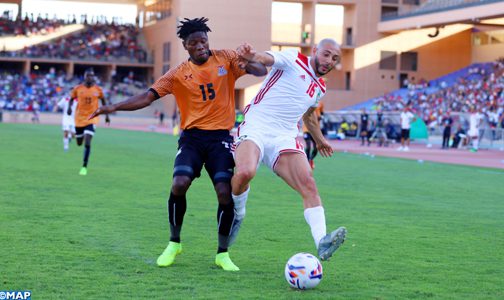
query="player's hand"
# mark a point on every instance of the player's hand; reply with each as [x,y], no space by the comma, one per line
[69,111]
[106,109]
[325,148]
[242,63]
[246,52]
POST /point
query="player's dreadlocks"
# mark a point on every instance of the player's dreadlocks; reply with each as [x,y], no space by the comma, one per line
[189,26]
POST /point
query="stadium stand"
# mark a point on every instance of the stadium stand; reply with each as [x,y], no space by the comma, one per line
[19,92]
[431,6]
[479,85]
[28,27]
[100,41]
[435,5]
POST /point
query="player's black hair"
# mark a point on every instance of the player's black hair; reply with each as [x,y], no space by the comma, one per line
[188,26]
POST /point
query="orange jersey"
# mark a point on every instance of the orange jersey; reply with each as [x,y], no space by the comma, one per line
[87,103]
[318,112]
[204,93]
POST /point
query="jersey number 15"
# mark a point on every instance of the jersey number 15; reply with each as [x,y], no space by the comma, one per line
[211,91]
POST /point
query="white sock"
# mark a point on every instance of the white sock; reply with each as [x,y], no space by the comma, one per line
[315,217]
[240,201]
[475,143]
[65,143]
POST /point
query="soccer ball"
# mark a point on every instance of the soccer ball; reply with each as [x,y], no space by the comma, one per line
[303,271]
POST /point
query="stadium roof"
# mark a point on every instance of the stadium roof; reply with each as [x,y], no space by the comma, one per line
[105,1]
[95,1]
[452,12]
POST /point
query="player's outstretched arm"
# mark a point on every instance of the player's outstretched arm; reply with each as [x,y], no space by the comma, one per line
[310,119]
[256,69]
[69,110]
[132,103]
[107,119]
[246,52]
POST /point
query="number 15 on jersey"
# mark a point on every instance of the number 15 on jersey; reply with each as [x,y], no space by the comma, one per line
[209,92]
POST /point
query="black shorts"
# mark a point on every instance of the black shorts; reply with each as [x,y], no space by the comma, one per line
[364,131]
[405,133]
[81,131]
[211,148]
[308,137]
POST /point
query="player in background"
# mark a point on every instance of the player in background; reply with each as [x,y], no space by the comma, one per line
[291,91]
[475,122]
[311,147]
[364,127]
[379,130]
[447,122]
[87,96]
[203,87]
[67,122]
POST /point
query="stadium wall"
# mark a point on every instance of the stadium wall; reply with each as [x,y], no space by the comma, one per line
[487,53]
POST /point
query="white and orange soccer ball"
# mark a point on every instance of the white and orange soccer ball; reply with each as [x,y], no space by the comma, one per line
[303,271]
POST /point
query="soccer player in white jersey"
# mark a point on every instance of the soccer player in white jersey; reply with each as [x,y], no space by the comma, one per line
[68,122]
[268,134]
[475,121]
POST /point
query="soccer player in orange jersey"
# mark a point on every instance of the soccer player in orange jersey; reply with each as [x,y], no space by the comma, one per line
[87,96]
[203,87]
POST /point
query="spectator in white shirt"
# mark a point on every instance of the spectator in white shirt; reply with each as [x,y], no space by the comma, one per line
[475,121]
[407,118]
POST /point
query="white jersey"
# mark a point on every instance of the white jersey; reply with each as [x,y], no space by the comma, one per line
[288,91]
[475,120]
[63,104]
[406,118]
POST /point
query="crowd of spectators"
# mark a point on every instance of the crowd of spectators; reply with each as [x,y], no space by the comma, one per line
[43,90]
[28,26]
[480,87]
[38,91]
[99,40]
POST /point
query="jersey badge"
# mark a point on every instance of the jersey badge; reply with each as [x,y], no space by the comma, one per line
[188,77]
[303,77]
[221,71]
[319,96]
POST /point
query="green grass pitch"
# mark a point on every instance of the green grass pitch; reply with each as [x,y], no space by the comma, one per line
[416,231]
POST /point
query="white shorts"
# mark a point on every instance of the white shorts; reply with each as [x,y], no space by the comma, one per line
[270,144]
[67,126]
[473,132]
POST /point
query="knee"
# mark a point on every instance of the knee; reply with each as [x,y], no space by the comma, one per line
[180,185]
[244,176]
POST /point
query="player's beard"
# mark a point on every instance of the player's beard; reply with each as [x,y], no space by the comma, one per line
[317,68]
